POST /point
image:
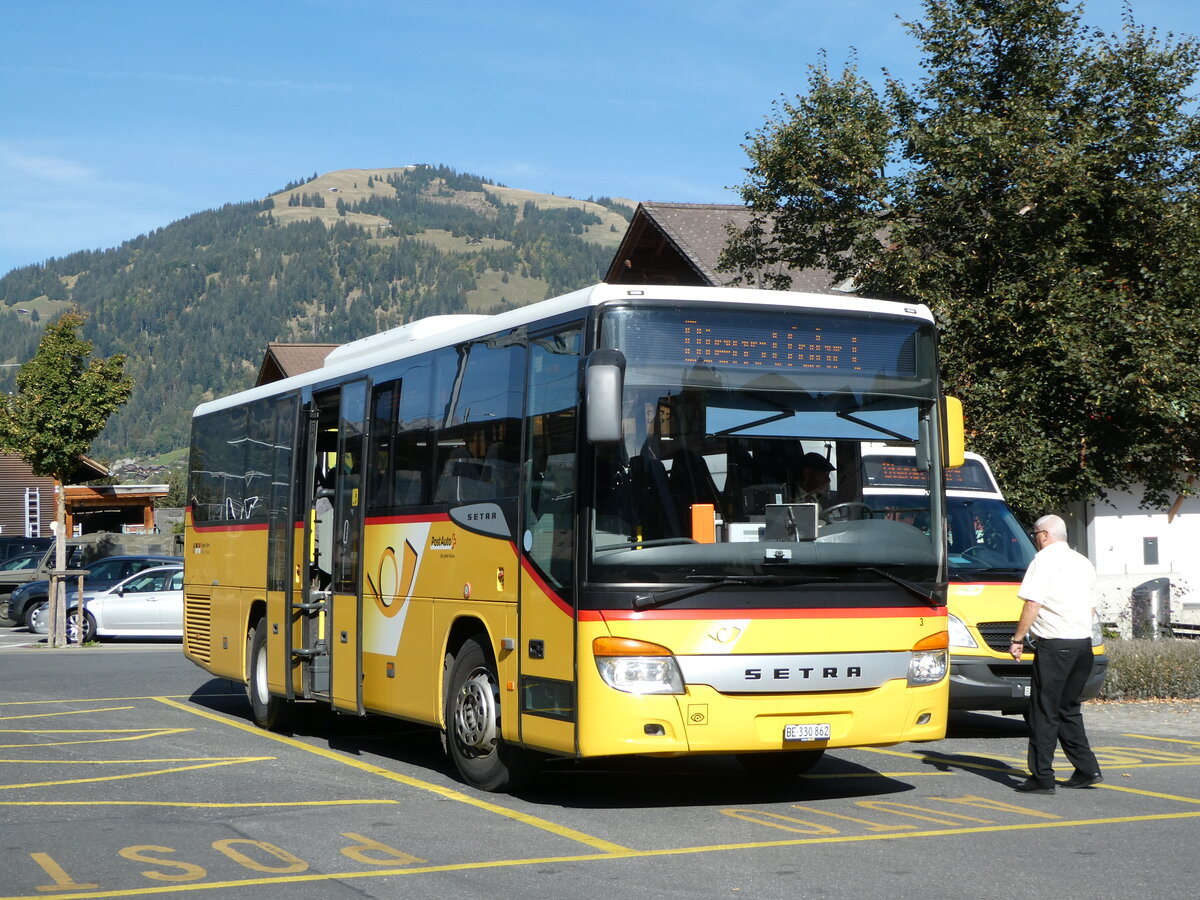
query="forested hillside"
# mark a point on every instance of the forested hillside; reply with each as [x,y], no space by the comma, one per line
[330,259]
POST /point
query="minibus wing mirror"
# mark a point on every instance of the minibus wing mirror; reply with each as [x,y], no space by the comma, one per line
[604,382]
[952,418]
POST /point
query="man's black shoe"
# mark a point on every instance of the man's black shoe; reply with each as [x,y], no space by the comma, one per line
[1029,786]
[1082,780]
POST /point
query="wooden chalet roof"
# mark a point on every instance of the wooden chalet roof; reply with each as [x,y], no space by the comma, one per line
[681,243]
[284,360]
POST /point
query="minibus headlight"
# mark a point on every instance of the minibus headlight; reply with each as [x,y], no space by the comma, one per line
[1097,630]
[637,667]
[929,660]
[960,635]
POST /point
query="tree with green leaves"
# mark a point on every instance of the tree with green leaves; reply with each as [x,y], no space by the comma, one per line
[1038,189]
[63,399]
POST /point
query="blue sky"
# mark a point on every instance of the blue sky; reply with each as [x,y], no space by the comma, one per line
[123,117]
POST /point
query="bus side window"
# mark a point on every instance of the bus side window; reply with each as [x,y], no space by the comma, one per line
[482,435]
[424,394]
[383,420]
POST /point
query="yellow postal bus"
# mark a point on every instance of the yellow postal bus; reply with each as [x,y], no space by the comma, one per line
[585,528]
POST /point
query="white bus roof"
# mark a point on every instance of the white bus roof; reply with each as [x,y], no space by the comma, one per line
[439,331]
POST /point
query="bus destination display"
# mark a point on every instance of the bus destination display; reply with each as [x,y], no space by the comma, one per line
[761,340]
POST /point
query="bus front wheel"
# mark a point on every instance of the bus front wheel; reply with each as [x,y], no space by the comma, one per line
[473,739]
[266,708]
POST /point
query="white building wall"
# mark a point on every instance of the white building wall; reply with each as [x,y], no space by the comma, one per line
[1120,539]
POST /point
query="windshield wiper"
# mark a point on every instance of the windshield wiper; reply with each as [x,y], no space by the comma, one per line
[933,600]
[662,598]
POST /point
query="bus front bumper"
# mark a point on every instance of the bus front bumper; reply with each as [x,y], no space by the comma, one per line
[994,683]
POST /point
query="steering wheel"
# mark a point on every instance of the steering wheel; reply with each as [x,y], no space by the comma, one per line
[985,556]
[845,512]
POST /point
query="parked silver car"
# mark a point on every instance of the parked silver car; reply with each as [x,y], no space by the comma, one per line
[148,604]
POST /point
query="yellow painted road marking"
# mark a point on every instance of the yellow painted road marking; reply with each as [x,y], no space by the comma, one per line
[184,804]
[599,857]
[138,735]
[69,712]
[1195,742]
[1109,786]
[448,793]
[98,778]
[125,762]
[94,730]
[241,693]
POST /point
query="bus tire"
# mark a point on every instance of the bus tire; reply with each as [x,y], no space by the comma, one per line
[265,707]
[783,764]
[472,714]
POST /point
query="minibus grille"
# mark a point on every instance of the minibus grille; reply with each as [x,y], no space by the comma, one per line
[997,635]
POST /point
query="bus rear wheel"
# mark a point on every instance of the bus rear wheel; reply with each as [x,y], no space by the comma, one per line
[266,708]
[782,764]
[473,739]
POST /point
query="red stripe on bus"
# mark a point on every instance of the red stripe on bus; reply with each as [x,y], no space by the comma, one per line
[407,520]
[551,594]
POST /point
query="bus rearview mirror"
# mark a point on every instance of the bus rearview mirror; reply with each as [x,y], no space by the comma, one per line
[604,383]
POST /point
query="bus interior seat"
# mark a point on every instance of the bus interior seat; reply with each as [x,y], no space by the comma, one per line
[691,482]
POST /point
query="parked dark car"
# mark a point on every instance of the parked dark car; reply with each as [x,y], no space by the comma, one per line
[16,545]
[104,573]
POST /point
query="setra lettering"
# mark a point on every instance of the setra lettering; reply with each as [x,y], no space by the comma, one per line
[804,673]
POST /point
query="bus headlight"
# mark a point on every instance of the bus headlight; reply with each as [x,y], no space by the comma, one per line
[960,635]
[637,667]
[930,659]
[1097,629]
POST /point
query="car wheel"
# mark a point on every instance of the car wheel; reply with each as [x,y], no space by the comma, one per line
[27,613]
[39,618]
[89,627]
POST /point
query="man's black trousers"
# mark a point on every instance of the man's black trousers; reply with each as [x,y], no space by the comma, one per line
[1060,670]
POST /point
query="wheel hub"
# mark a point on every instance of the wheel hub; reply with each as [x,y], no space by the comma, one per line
[475,717]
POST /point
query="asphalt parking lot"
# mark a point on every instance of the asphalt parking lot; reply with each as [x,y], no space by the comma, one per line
[126,771]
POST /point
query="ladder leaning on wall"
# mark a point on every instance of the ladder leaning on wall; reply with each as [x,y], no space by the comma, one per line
[33,512]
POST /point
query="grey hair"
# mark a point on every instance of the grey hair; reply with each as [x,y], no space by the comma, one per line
[1053,525]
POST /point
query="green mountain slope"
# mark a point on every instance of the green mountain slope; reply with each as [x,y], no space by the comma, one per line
[335,258]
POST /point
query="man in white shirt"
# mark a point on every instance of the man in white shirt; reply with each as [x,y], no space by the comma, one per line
[1058,611]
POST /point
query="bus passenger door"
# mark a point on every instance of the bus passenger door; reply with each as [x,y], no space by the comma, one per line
[329,647]
[346,614]
[549,505]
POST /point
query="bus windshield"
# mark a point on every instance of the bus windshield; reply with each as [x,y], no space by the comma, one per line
[742,448]
[987,543]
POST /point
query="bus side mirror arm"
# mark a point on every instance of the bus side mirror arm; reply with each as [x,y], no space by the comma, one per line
[604,382]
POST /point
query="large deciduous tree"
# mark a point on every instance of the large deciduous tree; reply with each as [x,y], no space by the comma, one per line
[1037,188]
[63,399]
